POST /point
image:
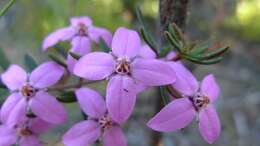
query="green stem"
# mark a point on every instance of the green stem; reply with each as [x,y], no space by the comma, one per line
[6,7]
[71,86]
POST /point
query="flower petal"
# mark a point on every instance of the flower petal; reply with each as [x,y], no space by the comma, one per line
[91,102]
[39,126]
[14,77]
[81,46]
[126,43]
[30,141]
[147,52]
[18,113]
[75,21]
[176,115]
[82,134]
[8,136]
[95,33]
[62,34]
[121,97]
[153,72]
[47,74]
[209,124]
[171,55]
[186,83]
[9,106]
[48,108]
[114,136]
[95,66]
[210,87]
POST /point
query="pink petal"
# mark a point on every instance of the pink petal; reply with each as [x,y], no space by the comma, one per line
[81,46]
[209,124]
[75,21]
[176,115]
[14,77]
[147,52]
[210,87]
[82,134]
[30,141]
[153,72]
[18,113]
[114,136]
[7,136]
[9,105]
[121,97]
[91,102]
[171,55]
[95,66]
[47,74]
[126,43]
[62,34]
[48,108]
[186,83]
[39,126]
[95,33]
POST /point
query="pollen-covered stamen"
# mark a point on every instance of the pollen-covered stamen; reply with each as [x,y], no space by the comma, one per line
[28,91]
[25,132]
[105,122]
[82,29]
[123,66]
[200,101]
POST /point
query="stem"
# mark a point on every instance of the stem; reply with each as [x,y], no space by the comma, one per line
[170,11]
[6,7]
[71,86]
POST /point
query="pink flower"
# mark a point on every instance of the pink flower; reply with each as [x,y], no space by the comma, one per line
[25,134]
[98,125]
[81,33]
[196,101]
[28,93]
[126,70]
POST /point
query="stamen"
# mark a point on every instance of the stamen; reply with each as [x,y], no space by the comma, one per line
[25,132]
[105,122]
[82,29]
[200,101]
[123,66]
[28,91]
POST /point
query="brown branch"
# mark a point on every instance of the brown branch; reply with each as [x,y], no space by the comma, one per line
[171,11]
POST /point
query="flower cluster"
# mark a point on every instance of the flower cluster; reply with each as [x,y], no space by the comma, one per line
[130,68]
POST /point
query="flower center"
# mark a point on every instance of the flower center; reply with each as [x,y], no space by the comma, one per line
[25,132]
[200,101]
[82,29]
[28,91]
[105,122]
[123,66]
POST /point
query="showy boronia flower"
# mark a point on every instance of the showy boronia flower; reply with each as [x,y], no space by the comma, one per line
[195,102]
[99,123]
[25,133]
[28,94]
[81,33]
[126,71]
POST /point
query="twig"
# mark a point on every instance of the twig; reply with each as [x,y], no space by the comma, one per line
[6,7]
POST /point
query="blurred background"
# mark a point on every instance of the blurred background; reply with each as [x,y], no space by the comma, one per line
[230,22]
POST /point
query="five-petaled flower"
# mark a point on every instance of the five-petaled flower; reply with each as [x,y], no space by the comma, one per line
[98,125]
[28,94]
[195,102]
[81,33]
[126,70]
[25,133]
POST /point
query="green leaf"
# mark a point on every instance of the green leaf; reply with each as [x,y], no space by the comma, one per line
[163,94]
[203,62]
[75,55]
[174,43]
[103,45]
[29,62]
[58,59]
[198,49]
[6,7]
[67,97]
[213,54]
[164,51]
[4,61]
[3,94]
